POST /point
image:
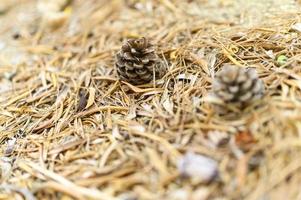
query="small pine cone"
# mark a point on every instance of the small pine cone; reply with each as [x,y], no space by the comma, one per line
[137,62]
[238,85]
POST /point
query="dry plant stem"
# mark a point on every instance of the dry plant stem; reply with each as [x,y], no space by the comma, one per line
[65,185]
[70,129]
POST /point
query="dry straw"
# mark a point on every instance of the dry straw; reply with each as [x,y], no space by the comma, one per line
[71,130]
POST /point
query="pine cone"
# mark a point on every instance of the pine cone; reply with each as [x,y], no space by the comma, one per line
[137,62]
[239,85]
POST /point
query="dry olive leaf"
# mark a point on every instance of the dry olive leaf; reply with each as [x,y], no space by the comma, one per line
[91,97]
[82,103]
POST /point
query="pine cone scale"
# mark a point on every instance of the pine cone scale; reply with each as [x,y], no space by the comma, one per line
[141,72]
[226,96]
[128,56]
[246,97]
[247,85]
[258,88]
[129,66]
[138,66]
[233,89]
[131,74]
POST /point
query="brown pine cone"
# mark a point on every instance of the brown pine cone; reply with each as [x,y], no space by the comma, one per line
[137,62]
[233,84]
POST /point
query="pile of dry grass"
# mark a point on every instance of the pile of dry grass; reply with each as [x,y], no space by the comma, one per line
[127,141]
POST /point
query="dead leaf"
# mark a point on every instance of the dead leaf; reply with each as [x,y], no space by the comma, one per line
[62,96]
[82,100]
[10,146]
[5,168]
[168,106]
[244,140]
[116,133]
[241,171]
[91,98]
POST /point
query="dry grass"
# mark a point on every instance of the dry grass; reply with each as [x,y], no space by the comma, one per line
[71,130]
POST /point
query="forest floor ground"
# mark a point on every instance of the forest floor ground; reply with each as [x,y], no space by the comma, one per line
[71,130]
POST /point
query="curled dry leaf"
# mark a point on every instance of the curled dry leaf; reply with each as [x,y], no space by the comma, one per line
[27,194]
[132,112]
[82,100]
[198,167]
[116,133]
[137,127]
[10,146]
[168,106]
[5,168]
[217,139]
[63,94]
[270,53]
[91,98]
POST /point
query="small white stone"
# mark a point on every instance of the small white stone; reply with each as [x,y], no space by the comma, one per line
[297,27]
[179,194]
[198,167]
